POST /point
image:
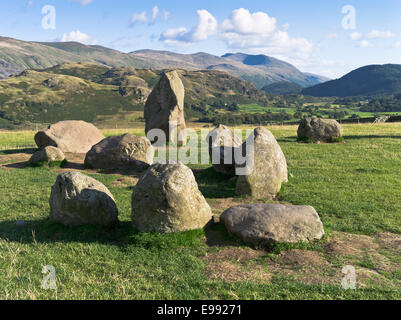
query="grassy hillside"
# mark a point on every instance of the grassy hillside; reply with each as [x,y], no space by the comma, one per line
[99,54]
[92,92]
[358,205]
[283,87]
[16,55]
[366,81]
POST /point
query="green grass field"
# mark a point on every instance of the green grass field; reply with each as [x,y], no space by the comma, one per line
[255,108]
[354,186]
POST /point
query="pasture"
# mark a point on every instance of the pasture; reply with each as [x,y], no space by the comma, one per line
[354,186]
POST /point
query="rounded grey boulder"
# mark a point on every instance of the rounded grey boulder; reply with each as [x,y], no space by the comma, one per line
[125,151]
[319,129]
[167,199]
[69,136]
[265,169]
[265,223]
[48,155]
[77,199]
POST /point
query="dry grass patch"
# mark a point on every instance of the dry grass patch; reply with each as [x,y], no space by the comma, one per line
[231,272]
[299,257]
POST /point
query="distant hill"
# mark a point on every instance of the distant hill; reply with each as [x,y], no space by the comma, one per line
[261,70]
[284,87]
[16,56]
[370,80]
[93,92]
[280,71]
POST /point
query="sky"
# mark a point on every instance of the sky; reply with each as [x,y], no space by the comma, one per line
[329,37]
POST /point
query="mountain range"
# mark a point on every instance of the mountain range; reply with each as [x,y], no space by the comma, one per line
[17,55]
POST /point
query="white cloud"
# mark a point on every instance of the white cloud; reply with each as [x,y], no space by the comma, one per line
[258,32]
[155,13]
[365,44]
[78,36]
[398,44]
[245,31]
[138,17]
[246,23]
[166,15]
[356,36]
[82,2]
[376,34]
[207,26]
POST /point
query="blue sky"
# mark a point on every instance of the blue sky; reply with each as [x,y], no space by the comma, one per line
[310,34]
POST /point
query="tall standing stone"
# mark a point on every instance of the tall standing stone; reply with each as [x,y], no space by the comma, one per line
[266,166]
[164,108]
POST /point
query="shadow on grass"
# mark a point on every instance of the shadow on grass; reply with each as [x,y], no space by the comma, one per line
[286,139]
[123,234]
[215,185]
[371,137]
[16,151]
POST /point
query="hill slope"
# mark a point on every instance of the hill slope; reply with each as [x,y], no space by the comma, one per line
[92,92]
[366,81]
[261,70]
[284,87]
[278,70]
[17,55]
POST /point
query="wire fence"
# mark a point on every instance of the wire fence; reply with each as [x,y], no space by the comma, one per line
[16,140]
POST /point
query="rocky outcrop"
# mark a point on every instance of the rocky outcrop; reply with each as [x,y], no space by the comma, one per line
[117,152]
[164,109]
[167,199]
[69,136]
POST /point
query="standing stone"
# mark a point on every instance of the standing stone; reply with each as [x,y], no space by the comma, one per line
[319,129]
[264,223]
[167,199]
[222,144]
[47,155]
[77,199]
[125,151]
[69,136]
[164,108]
[266,166]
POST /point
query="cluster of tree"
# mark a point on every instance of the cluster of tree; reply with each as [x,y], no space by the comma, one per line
[247,118]
[383,104]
